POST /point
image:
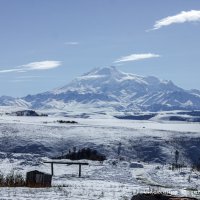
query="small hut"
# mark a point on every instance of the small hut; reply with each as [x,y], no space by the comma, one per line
[38,179]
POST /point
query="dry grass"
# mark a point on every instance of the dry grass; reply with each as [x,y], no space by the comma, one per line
[12,180]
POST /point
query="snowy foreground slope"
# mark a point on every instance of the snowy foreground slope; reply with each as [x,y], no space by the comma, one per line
[25,142]
[144,140]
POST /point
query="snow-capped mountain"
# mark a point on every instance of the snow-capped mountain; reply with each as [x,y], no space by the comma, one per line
[109,88]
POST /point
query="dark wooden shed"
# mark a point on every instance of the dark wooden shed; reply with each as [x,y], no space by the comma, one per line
[38,179]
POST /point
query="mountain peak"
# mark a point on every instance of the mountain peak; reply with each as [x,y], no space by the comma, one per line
[106,71]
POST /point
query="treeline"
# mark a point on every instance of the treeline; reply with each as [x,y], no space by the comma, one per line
[85,153]
[66,122]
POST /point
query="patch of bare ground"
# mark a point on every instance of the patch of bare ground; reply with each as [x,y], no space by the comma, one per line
[159,197]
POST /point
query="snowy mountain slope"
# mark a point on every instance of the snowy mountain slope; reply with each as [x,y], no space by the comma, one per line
[108,88]
[11,101]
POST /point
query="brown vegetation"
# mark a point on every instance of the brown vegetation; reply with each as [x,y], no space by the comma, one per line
[159,197]
[85,153]
[12,180]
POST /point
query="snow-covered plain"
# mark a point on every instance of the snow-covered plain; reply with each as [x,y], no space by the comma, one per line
[25,142]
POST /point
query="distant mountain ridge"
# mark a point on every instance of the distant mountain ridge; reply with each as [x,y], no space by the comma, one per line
[110,88]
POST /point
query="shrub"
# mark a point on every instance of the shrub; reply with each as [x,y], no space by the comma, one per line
[66,122]
[85,153]
[12,180]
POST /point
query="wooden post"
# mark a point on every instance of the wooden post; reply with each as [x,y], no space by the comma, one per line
[68,163]
[79,170]
[52,168]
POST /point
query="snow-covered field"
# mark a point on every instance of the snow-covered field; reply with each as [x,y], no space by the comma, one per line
[104,181]
[25,142]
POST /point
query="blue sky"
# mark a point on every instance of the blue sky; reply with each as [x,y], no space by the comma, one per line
[44,44]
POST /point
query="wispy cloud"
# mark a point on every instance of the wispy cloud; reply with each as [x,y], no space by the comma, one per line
[182,17]
[41,65]
[72,43]
[21,80]
[25,78]
[29,77]
[9,70]
[135,57]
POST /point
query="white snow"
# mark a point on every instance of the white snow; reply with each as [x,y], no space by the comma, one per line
[113,179]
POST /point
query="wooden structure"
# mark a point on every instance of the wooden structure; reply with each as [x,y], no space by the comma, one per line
[38,179]
[66,163]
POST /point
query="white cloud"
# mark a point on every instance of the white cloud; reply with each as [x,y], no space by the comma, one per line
[28,77]
[72,43]
[182,17]
[9,70]
[42,65]
[135,57]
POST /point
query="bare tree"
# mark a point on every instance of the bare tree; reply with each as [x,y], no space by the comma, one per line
[176,156]
[119,149]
